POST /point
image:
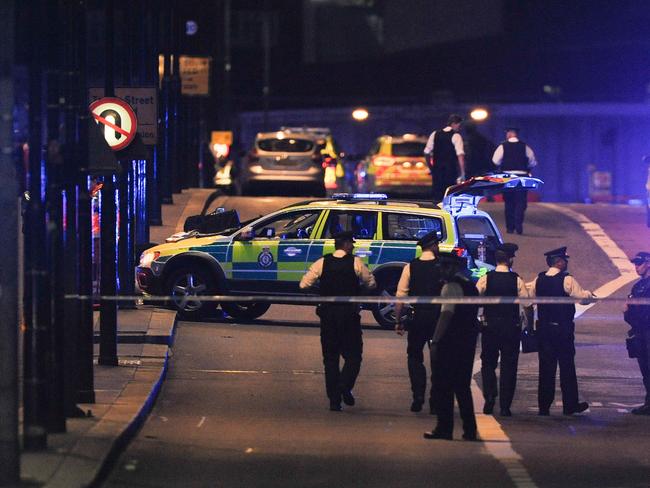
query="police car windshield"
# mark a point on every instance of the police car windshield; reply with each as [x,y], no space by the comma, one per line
[408,149]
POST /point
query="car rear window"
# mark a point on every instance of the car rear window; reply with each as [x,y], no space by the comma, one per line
[398,226]
[410,149]
[285,145]
[475,228]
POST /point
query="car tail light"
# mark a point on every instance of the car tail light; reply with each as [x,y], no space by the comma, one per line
[328,161]
[383,161]
[461,252]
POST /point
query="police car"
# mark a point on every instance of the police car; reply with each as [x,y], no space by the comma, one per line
[270,255]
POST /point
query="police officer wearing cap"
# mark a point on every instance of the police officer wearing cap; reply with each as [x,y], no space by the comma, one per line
[638,316]
[452,352]
[555,330]
[421,277]
[445,155]
[340,274]
[516,157]
[502,332]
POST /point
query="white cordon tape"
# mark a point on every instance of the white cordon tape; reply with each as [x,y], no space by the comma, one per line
[312,300]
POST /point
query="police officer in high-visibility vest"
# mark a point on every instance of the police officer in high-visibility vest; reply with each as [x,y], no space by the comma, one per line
[502,331]
[421,277]
[555,330]
[516,157]
[340,274]
[445,155]
[638,316]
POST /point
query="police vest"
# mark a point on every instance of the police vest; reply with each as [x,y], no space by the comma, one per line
[638,316]
[514,156]
[338,277]
[444,152]
[464,322]
[501,284]
[425,281]
[553,286]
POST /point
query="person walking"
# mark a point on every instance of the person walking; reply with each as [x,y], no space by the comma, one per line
[515,157]
[340,274]
[452,353]
[555,330]
[445,155]
[638,316]
[501,335]
[421,277]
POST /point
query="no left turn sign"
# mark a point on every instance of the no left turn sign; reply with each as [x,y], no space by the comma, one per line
[117,119]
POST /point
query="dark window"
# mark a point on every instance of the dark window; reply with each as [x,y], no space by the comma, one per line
[408,149]
[291,225]
[398,226]
[362,224]
[475,228]
[286,145]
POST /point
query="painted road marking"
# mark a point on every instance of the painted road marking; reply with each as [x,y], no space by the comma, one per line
[200,424]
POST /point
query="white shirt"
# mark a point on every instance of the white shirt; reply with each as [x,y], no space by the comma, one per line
[316,270]
[456,140]
[405,279]
[481,284]
[571,286]
[497,157]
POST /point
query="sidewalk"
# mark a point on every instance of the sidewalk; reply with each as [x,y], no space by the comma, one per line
[124,394]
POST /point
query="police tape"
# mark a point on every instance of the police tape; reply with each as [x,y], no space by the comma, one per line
[363,299]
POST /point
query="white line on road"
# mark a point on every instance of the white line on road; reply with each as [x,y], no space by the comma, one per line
[200,424]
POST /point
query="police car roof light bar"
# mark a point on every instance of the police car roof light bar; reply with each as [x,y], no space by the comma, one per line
[360,196]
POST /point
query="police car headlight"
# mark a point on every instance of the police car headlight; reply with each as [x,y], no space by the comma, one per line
[147,257]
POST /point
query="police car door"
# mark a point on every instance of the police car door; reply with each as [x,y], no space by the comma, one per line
[273,258]
[362,223]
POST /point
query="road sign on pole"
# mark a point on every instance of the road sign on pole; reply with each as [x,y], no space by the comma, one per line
[117,119]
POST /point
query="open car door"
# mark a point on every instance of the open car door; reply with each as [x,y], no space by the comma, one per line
[466,196]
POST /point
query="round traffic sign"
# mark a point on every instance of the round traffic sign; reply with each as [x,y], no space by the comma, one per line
[117,119]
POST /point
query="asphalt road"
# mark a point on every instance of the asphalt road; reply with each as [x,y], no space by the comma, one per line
[244,404]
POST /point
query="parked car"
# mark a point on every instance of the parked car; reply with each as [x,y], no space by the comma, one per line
[395,164]
[284,157]
[270,255]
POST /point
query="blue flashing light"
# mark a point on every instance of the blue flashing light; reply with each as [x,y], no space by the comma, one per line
[360,196]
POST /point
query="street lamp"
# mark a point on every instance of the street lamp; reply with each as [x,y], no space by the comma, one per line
[360,114]
[479,114]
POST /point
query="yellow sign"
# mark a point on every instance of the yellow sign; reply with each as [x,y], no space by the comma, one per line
[221,137]
[195,75]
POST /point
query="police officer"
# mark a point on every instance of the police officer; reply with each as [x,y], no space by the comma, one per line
[421,277]
[502,332]
[445,156]
[555,330]
[516,157]
[452,352]
[340,274]
[638,316]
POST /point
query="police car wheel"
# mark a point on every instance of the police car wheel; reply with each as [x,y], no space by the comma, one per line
[245,311]
[185,285]
[384,313]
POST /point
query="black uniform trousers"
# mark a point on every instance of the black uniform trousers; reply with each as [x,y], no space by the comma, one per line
[340,335]
[499,339]
[452,375]
[416,339]
[557,346]
[443,175]
[515,207]
[644,360]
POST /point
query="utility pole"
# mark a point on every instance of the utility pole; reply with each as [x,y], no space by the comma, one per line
[37,298]
[108,308]
[85,371]
[9,448]
[165,171]
[266,39]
